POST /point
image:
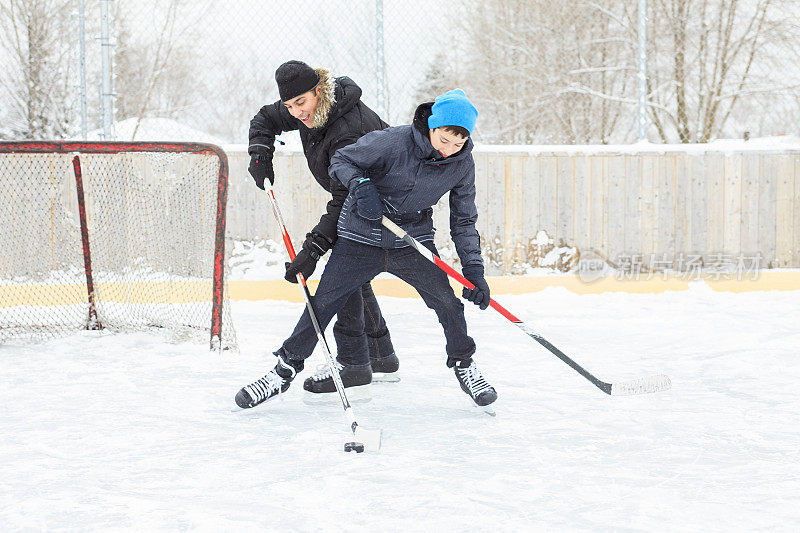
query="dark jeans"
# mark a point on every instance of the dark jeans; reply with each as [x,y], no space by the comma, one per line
[353,264]
[360,330]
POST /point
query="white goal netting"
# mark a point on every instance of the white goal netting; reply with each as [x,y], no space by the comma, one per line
[151,251]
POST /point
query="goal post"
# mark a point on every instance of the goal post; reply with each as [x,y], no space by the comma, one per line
[115,235]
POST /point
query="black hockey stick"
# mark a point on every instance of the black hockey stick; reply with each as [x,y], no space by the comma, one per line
[637,386]
[369,439]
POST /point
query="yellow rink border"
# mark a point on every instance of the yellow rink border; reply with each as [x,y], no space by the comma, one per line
[143,292]
[766,281]
[191,291]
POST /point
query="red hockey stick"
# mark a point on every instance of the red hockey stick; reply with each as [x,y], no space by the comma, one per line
[637,386]
[369,439]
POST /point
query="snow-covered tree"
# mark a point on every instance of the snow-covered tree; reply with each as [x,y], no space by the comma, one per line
[158,72]
[437,79]
[545,70]
[719,66]
[548,71]
[36,85]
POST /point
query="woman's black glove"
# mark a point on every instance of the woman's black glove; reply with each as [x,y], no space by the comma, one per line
[261,168]
[305,261]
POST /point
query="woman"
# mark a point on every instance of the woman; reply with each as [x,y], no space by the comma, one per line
[329,114]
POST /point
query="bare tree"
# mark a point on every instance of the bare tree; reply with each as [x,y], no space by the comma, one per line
[239,92]
[438,78]
[718,61]
[595,71]
[37,41]
[545,70]
[157,74]
[548,71]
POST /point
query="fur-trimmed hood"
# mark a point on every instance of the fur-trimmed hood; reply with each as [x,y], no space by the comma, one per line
[337,98]
[327,97]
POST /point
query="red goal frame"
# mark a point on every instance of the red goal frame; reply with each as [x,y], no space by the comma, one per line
[113,147]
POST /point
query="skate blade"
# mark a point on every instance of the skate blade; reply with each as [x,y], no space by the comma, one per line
[360,394]
[488,409]
[238,409]
[385,377]
[370,438]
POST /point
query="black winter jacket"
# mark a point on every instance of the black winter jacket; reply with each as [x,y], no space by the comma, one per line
[348,119]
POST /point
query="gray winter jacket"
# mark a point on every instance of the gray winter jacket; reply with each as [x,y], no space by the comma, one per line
[410,177]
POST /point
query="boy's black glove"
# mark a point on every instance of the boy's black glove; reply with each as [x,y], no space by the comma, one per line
[367,200]
[480,294]
[305,262]
[261,168]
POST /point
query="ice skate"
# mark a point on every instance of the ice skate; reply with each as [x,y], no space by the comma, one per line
[355,378]
[275,382]
[384,369]
[473,383]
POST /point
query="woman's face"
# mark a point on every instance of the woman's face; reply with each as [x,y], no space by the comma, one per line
[302,107]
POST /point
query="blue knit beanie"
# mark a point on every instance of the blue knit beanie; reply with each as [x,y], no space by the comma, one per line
[453,108]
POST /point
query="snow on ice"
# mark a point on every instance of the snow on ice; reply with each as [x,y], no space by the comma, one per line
[130,432]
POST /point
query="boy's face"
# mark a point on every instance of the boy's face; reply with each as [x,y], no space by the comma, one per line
[446,142]
[302,107]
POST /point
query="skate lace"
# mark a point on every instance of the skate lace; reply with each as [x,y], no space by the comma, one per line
[263,388]
[473,379]
[323,372]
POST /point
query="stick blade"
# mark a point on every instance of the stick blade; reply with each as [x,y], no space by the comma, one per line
[646,385]
[370,438]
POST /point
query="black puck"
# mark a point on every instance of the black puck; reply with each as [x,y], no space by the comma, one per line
[353,446]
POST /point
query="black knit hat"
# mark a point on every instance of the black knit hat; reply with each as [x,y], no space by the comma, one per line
[295,78]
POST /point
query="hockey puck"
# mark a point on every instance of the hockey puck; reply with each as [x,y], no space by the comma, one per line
[353,446]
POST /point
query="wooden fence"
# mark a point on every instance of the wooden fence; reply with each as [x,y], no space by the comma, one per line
[664,206]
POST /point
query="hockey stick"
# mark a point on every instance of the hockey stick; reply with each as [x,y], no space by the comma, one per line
[637,386]
[369,439]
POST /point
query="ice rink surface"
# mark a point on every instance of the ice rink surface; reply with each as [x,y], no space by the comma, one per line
[130,432]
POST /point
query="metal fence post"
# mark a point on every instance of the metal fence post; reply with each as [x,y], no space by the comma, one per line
[107,97]
[642,68]
[82,34]
[380,58]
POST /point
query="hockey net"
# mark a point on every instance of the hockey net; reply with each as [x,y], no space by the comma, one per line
[117,236]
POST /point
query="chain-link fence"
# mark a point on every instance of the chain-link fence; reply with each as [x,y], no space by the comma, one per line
[540,71]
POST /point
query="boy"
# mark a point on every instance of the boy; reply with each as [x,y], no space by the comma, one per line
[400,172]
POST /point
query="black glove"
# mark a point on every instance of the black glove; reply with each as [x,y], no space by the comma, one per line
[261,168]
[480,294]
[305,262]
[367,199]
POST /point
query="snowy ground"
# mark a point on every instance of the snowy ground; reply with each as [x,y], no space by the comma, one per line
[128,432]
